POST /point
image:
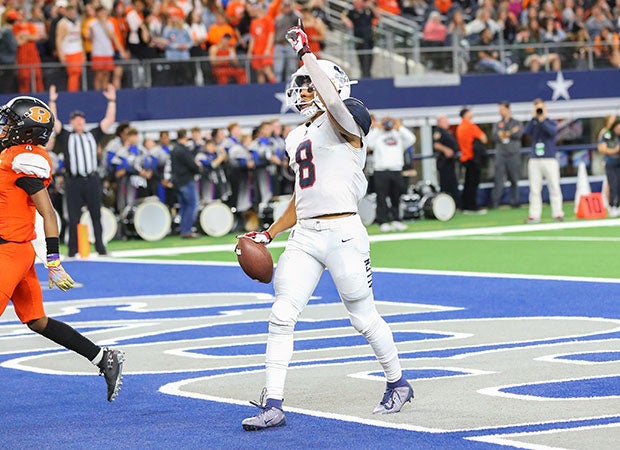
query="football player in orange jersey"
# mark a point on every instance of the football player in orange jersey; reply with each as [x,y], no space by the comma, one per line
[26,124]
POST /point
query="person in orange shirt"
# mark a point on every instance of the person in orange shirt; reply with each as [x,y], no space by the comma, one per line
[219,29]
[315,29]
[121,30]
[69,47]
[262,39]
[28,57]
[224,62]
[389,6]
[466,133]
[26,125]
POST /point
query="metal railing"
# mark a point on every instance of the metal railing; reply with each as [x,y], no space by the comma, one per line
[457,57]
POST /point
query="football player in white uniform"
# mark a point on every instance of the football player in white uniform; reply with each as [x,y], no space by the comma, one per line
[327,154]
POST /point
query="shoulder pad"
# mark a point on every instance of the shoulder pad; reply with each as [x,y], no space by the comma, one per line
[359,112]
[32,164]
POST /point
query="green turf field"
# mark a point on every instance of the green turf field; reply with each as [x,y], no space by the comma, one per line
[465,243]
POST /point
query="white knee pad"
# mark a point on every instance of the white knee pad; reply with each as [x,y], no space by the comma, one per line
[283,317]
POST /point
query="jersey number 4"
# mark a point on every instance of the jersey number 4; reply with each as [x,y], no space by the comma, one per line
[307,172]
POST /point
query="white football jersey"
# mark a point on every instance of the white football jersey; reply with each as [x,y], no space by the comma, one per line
[329,172]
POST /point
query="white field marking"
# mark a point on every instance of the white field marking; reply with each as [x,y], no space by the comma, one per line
[531,238]
[175,388]
[347,332]
[378,238]
[557,358]
[504,439]
[495,391]
[449,273]
[464,373]
[17,363]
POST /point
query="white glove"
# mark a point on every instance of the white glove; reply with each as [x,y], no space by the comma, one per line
[298,39]
[260,237]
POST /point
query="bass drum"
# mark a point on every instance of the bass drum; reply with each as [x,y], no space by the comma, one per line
[109,225]
[367,209]
[216,219]
[438,206]
[150,220]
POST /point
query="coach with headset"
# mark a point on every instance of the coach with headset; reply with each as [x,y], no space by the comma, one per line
[81,150]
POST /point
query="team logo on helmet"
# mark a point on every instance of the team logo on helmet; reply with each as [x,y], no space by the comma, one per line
[39,114]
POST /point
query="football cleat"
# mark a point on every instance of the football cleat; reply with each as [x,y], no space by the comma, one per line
[268,417]
[111,367]
[394,399]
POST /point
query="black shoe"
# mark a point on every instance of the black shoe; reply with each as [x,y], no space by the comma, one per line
[111,367]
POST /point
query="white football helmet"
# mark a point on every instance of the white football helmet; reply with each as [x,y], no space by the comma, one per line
[301,80]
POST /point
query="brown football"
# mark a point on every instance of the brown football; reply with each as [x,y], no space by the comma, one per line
[255,260]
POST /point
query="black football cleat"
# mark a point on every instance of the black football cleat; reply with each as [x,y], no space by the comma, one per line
[111,367]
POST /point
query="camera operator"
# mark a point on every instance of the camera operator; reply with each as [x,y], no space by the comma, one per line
[389,142]
[543,163]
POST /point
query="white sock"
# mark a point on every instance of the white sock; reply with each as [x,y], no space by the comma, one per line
[98,358]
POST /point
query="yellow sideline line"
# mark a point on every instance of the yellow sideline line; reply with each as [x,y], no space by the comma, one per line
[163,251]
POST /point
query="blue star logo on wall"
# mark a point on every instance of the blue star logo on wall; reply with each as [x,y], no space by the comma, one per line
[560,87]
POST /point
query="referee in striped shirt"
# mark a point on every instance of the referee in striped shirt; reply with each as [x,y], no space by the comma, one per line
[80,148]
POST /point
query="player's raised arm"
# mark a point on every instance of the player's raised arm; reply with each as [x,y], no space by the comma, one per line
[329,95]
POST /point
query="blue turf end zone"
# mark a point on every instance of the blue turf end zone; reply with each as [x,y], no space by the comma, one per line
[42,410]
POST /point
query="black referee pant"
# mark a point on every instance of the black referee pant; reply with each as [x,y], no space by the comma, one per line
[388,184]
[84,191]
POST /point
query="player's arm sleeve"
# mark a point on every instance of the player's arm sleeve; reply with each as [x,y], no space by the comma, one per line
[30,185]
[330,98]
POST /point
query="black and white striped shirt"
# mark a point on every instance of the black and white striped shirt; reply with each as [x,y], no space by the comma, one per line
[80,150]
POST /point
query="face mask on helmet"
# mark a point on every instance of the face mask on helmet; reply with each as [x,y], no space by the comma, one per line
[300,81]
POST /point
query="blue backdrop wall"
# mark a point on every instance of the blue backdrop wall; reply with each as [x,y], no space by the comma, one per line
[166,103]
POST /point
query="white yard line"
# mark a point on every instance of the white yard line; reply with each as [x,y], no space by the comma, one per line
[170,251]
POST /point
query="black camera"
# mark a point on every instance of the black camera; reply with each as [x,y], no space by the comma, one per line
[388,124]
[539,111]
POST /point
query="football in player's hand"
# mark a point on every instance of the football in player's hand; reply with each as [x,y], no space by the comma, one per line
[255,260]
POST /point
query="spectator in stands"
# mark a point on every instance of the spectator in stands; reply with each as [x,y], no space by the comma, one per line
[435,31]
[70,48]
[507,136]
[543,163]
[8,53]
[482,21]
[361,20]
[457,26]
[446,154]
[597,21]
[315,30]
[319,10]
[220,28]
[88,15]
[29,76]
[224,62]
[581,39]
[552,33]
[285,60]
[104,40]
[262,39]
[488,59]
[183,170]
[607,48]
[139,37]
[198,33]
[609,146]
[535,57]
[443,6]
[434,35]
[178,42]
[466,133]
[121,30]
[389,6]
